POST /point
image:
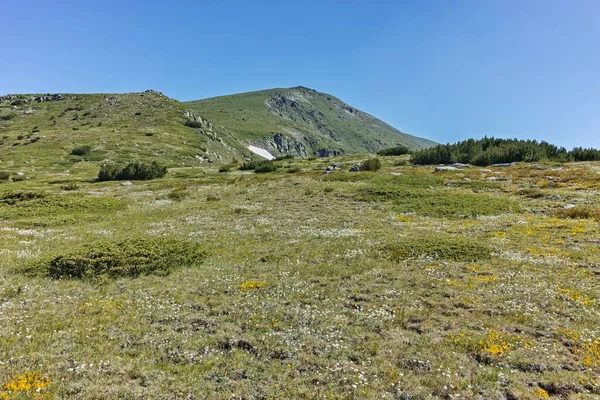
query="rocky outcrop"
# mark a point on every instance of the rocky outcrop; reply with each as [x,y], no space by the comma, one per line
[327,153]
[202,123]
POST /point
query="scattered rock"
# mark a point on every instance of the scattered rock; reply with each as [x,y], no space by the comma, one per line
[127,183]
[555,197]
[485,171]
[445,168]
[569,206]
[355,168]
[20,173]
[512,164]
[461,165]
[466,179]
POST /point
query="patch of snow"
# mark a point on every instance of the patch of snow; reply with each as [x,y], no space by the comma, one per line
[261,152]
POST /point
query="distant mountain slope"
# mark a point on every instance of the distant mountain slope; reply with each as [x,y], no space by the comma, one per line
[303,122]
[43,129]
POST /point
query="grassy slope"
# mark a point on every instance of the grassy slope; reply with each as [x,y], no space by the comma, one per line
[503,305]
[118,127]
[250,118]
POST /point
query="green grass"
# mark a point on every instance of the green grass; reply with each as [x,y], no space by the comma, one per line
[315,120]
[367,285]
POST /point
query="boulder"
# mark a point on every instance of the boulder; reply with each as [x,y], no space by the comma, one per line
[127,183]
[512,164]
[445,168]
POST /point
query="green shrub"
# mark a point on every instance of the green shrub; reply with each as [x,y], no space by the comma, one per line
[259,166]
[179,193]
[394,151]
[285,157]
[579,212]
[81,150]
[247,166]
[265,166]
[127,258]
[17,196]
[293,170]
[4,175]
[225,168]
[442,247]
[412,194]
[70,186]
[18,178]
[134,170]
[373,164]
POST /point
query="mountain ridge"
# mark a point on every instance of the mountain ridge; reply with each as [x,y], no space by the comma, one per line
[303,121]
[44,128]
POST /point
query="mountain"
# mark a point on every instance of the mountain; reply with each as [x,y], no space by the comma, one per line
[38,129]
[43,129]
[303,122]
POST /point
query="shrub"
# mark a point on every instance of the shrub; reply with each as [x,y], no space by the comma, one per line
[490,151]
[265,166]
[372,164]
[394,151]
[134,170]
[293,170]
[4,175]
[579,212]
[127,258]
[224,168]
[285,157]
[179,193]
[249,165]
[18,178]
[442,247]
[70,186]
[81,150]
[259,166]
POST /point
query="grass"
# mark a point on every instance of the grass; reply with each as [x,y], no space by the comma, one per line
[360,285]
[323,122]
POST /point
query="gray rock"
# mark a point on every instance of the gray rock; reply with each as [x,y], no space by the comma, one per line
[445,168]
[512,164]
[485,171]
[461,165]
[127,183]
[569,206]
[355,168]
[555,197]
[466,179]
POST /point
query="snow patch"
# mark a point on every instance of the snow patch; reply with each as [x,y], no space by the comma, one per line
[261,152]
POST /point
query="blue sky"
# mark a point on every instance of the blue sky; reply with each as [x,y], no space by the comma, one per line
[445,70]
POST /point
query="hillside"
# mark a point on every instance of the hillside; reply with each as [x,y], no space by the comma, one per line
[302,122]
[42,130]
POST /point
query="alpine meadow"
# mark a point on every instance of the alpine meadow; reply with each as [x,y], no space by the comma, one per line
[148,253]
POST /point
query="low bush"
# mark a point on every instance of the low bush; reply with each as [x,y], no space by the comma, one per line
[4,175]
[285,157]
[134,170]
[81,150]
[579,212]
[126,258]
[259,166]
[394,151]
[373,164]
[265,166]
[410,195]
[224,168]
[441,247]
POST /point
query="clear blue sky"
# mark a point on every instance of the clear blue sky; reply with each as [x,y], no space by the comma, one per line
[445,70]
